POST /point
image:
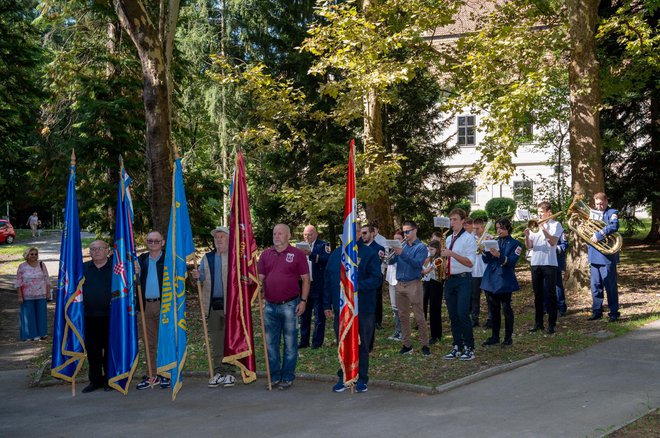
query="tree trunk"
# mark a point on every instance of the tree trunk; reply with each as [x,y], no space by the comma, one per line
[654,233]
[379,208]
[152,45]
[584,144]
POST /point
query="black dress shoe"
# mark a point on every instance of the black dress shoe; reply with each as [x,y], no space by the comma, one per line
[551,330]
[303,345]
[595,316]
[506,342]
[491,341]
[536,328]
[91,387]
[613,318]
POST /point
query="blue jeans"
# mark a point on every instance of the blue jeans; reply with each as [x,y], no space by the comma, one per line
[604,277]
[33,319]
[280,321]
[458,296]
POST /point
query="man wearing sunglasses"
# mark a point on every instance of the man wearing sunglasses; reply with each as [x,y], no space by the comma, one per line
[409,292]
[151,282]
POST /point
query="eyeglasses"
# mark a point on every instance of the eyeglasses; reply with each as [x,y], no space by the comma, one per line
[406,232]
[98,249]
[152,242]
[364,233]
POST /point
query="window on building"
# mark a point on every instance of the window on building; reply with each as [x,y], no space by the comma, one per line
[466,130]
[472,196]
[526,133]
[523,192]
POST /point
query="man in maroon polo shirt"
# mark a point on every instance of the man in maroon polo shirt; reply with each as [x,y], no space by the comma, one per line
[281,268]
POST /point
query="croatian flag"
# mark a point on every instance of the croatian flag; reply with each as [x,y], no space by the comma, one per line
[123,341]
[348,297]
[68,326]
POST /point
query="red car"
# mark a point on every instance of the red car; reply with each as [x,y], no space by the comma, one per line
[7,233]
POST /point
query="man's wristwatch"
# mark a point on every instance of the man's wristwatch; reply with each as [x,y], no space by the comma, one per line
[304,300]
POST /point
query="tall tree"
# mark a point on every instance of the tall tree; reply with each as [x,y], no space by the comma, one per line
[153,32]
[584,144]
[21,93]
[364,49]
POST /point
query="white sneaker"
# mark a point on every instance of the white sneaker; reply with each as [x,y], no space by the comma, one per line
[221,379]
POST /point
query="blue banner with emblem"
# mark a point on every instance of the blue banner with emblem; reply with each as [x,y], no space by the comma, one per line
[172,337]
[68,327]
[123,341]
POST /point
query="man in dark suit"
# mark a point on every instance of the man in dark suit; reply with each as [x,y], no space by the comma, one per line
[370,279]
[317,259]
[368,236]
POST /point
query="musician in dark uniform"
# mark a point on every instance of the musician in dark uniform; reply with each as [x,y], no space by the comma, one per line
[499,280]
[317,259]
[603,266]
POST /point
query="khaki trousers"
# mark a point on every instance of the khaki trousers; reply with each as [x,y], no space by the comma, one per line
[411,293]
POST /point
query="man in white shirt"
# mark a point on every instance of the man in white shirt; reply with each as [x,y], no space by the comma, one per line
[544,267]
[461,251]
[477,274]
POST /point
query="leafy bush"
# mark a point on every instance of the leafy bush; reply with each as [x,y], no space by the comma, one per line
[501,207]
[463,204]
[479,214]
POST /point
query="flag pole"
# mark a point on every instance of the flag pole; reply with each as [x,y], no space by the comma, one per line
[73,381]
[206,331]
[144,332]
[263,336]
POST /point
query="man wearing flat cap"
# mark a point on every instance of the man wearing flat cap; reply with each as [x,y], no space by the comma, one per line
[212,274]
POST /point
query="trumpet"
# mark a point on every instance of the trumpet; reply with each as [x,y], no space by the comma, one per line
[534,224]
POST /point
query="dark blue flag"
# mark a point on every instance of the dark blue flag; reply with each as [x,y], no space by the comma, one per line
[123,342]
[68,327]
[172,337]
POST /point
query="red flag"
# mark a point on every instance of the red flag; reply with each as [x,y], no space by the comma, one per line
[348,298]
[242,279]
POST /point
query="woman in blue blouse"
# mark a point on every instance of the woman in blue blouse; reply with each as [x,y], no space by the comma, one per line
[499,280]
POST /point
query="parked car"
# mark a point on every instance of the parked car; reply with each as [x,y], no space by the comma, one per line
[7,233]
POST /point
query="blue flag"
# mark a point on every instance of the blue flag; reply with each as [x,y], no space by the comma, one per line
[123,341]
[68,327]
[172,339]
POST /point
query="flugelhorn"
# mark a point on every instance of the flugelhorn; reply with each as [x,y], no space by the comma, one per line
[585,227]
[535,224]
[480,247]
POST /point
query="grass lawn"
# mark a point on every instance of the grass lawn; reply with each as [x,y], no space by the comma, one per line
[646,427]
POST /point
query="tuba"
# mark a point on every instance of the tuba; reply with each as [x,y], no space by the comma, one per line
[585,227]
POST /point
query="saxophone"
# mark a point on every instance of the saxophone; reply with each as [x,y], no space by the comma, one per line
[439,261]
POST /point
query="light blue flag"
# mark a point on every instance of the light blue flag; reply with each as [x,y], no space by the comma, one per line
[68,326]
[172,338]
[123,341]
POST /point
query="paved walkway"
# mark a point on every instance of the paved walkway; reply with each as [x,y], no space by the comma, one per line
[584,394]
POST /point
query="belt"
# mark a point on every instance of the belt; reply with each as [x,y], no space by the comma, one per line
[461,275]
[152,300]
[282,302]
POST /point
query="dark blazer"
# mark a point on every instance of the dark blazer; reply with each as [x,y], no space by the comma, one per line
[370,279]
[143,261]
[500,276]
[319,258]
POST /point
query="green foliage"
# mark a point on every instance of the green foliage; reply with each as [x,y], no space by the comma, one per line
[500,208]
[21,93]
[479,214]
[463,204]
[94,106]
[512,73]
